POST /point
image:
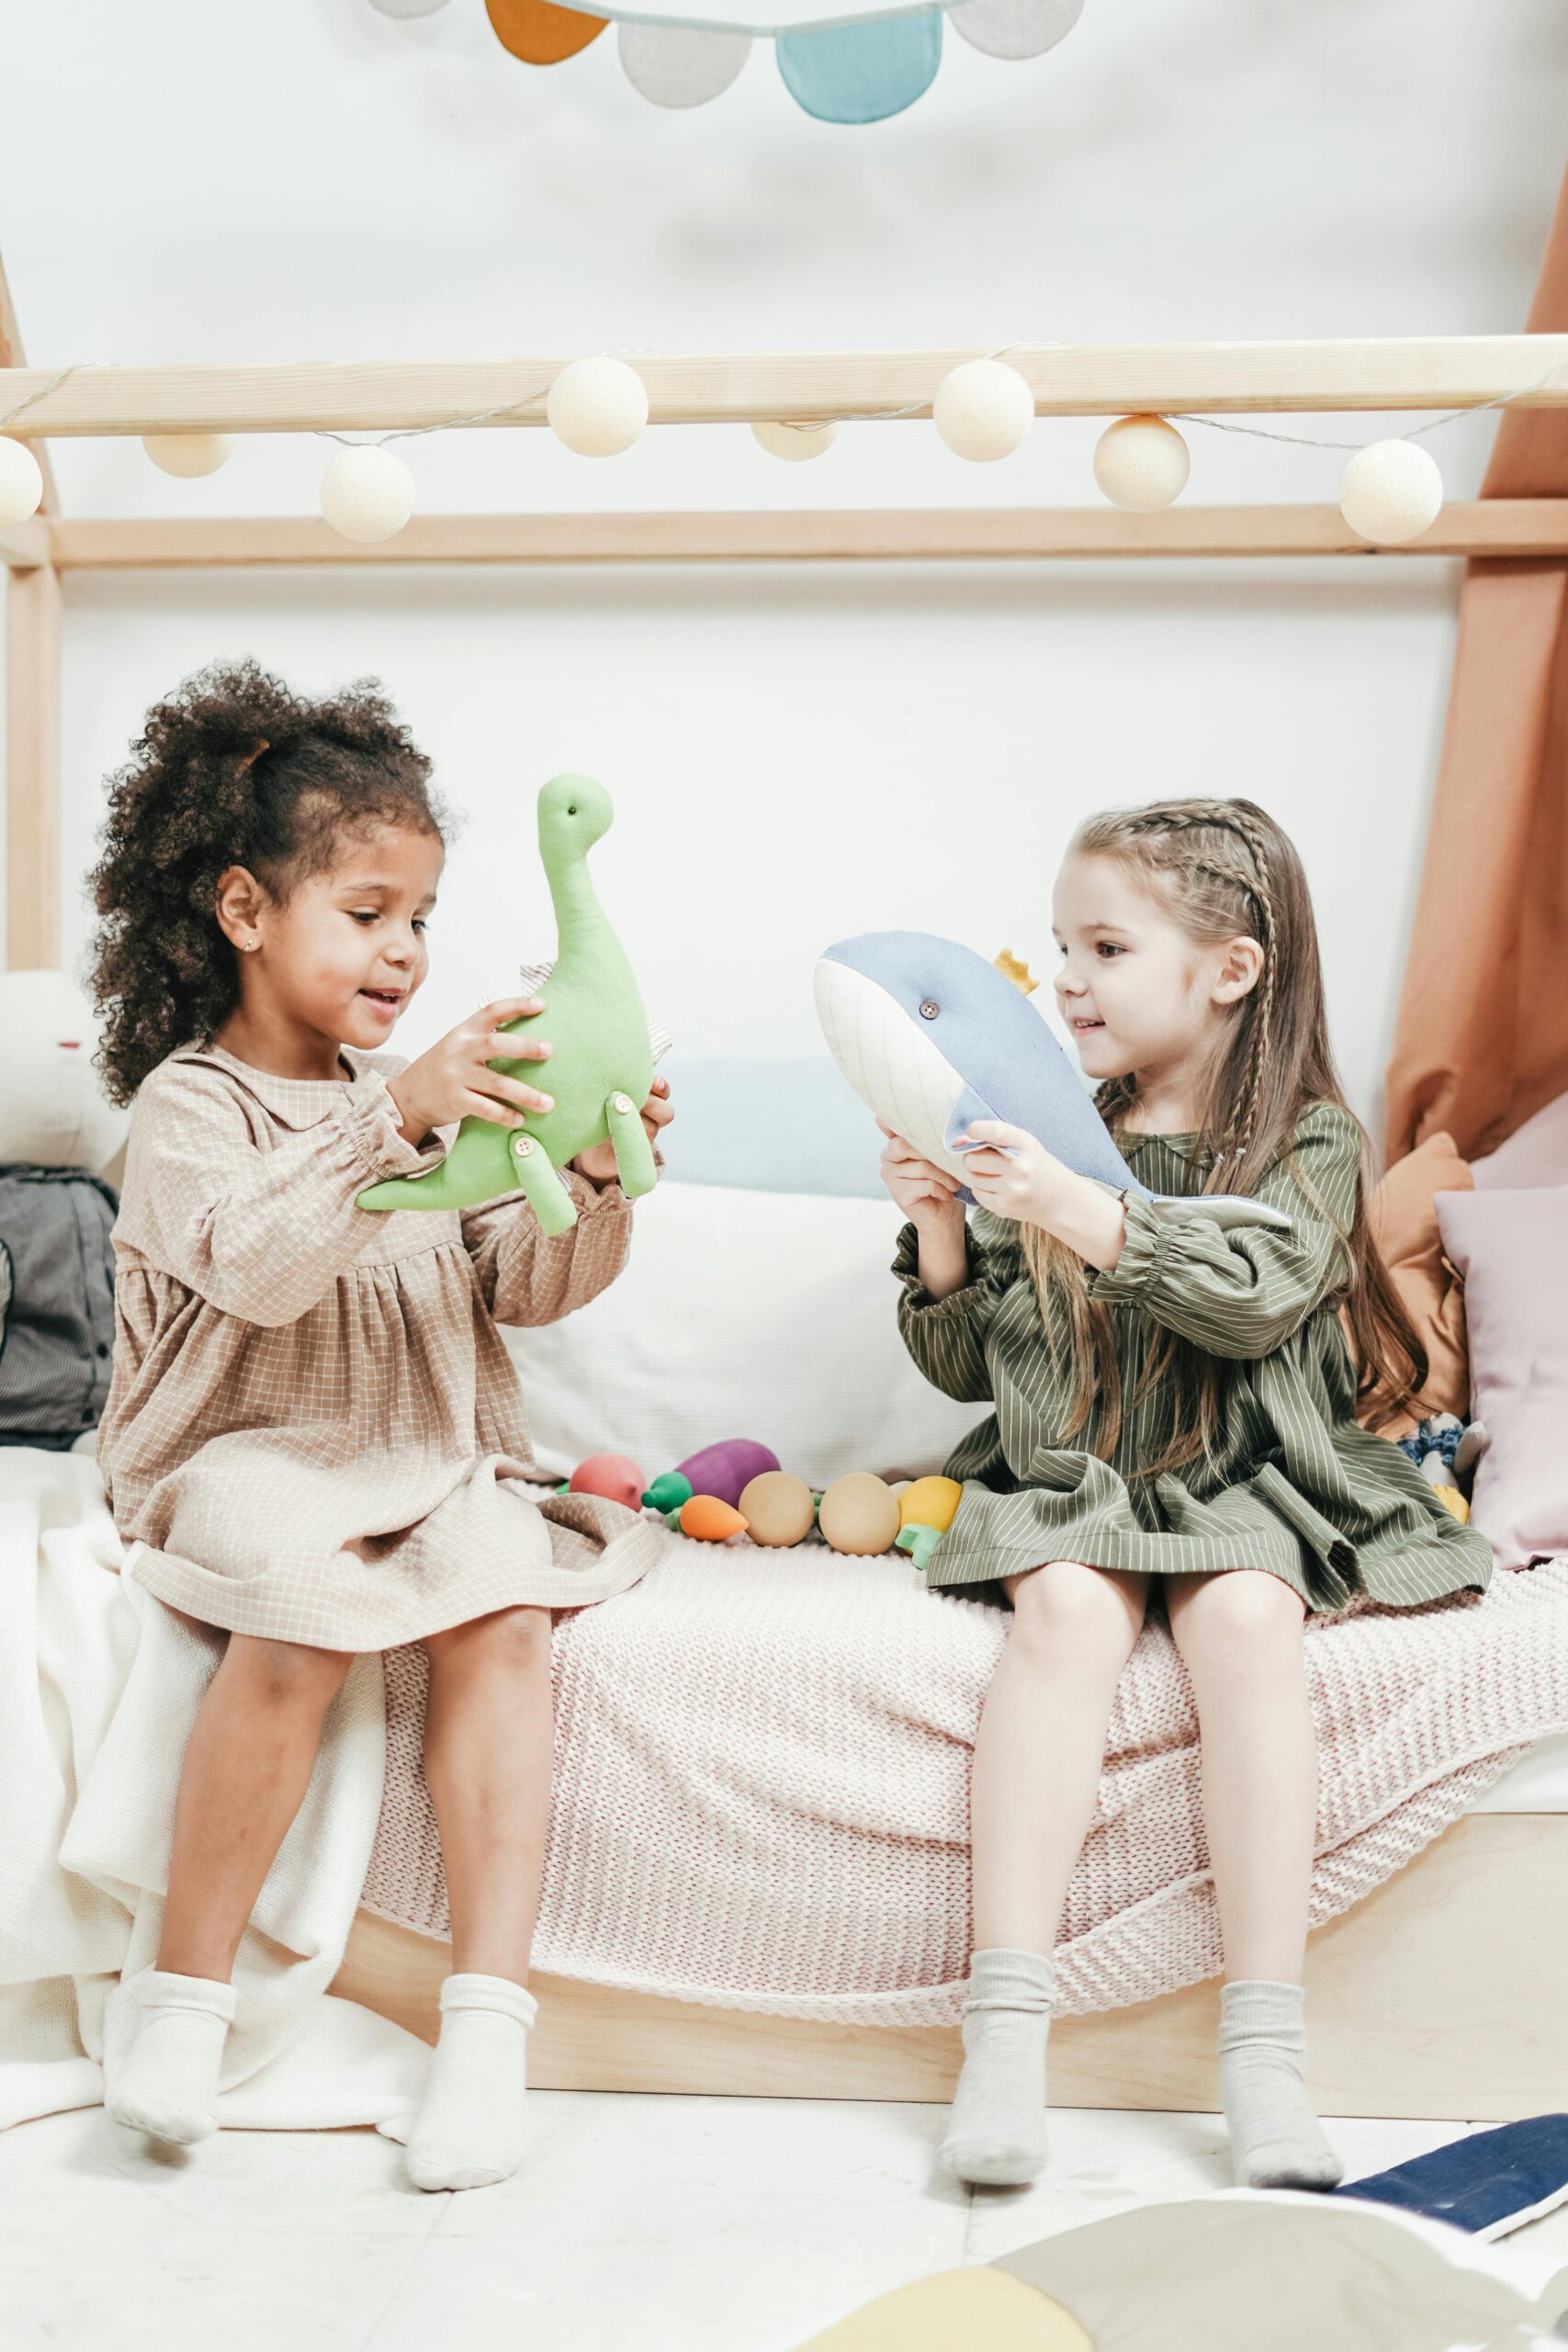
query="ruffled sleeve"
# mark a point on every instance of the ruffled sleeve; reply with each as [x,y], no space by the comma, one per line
[1241,1292]
[260,1233]
[527,1276]
[947,1337]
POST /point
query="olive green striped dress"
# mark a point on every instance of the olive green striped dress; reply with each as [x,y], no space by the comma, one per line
[1295,1487]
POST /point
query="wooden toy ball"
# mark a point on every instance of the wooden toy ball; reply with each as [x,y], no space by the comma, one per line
[778,1508]
[859,1513]
[1141,463]
[611,1474]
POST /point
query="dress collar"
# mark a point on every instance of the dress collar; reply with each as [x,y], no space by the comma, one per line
[293,1101]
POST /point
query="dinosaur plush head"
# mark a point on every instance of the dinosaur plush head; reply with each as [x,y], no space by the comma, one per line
[574,812]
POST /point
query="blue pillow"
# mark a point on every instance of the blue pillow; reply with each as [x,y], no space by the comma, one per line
[770,1126]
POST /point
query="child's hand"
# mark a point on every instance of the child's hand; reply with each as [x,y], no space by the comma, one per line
[1012,1174]
[598,1163]
[926,1193]
[454,1080]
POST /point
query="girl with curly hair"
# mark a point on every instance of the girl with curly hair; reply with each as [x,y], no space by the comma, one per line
[1177,1427]
[315,1438]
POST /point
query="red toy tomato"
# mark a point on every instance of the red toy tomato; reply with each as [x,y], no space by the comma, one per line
[612,1476]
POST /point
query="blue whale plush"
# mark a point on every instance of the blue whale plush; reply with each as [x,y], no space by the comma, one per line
[932,1036]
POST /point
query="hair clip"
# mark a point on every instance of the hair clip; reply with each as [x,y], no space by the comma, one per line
[252,757]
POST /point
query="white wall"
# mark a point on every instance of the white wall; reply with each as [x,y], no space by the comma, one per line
[804,752]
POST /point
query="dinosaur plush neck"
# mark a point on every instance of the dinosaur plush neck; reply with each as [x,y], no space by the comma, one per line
[602,1067]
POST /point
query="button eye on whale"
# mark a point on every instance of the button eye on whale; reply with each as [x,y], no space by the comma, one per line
[929,1009]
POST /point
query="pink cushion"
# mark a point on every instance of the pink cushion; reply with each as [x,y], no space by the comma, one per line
[1512,1250]
[1538,1153]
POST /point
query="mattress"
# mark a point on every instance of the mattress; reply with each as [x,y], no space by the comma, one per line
[1538,1783]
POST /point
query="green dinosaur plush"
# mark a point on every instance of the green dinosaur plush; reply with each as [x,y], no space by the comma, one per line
[602,1068]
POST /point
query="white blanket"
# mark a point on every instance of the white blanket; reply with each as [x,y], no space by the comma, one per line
[99,1684]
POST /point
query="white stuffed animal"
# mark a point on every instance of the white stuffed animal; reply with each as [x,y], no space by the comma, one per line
[59,1132]
[53,1110]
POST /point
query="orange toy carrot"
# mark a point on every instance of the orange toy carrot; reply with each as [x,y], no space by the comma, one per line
[707,1518]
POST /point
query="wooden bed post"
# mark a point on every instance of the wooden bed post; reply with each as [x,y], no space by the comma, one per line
[33,714]
[33,767]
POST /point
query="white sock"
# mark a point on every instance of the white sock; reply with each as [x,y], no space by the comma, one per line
[996,2130]
[469,2131]
[168,2084]
[1276,2139]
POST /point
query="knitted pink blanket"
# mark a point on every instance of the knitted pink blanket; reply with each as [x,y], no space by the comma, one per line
[761,1782]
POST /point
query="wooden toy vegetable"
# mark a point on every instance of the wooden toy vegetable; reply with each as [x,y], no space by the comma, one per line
[925,1513]
[708,1518]
[723,1469]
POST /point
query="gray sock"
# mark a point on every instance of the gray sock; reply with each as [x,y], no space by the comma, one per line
[1276,2139]
[996,2130]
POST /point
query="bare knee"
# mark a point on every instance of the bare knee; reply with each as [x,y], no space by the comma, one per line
[1064,1608]
[291,1676]
[509,1641]
[1241,1627]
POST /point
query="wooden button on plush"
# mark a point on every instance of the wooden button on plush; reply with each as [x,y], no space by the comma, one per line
[622,1102]
[522,1145]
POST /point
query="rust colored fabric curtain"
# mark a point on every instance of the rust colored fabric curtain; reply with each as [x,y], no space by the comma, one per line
[1481,1042]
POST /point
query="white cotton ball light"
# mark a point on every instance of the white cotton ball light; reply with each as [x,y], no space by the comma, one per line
[189,454]
[983,409]
[1390,492]
[1142,463]
[368,494]
[21,483]
[795,443]
[597,407]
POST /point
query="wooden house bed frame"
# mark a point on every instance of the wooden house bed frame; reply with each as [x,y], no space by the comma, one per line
[1440,1994]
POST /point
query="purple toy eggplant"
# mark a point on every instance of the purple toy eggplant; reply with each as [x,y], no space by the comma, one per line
[724,1469]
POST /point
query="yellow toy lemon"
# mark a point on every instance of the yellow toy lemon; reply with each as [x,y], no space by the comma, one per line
[925,1513]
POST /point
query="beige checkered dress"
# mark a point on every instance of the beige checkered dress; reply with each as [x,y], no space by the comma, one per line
[314,1430]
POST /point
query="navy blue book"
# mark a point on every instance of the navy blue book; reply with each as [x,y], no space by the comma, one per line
[1488,2184]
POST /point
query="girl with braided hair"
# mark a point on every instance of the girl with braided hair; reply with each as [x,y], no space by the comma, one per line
[1178,1425]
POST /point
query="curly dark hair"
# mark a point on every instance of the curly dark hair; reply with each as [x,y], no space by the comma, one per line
[232,769]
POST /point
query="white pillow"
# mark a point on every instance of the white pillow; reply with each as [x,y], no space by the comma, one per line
[741,1314]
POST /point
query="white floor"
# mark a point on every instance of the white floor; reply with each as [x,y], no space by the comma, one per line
[669,2224]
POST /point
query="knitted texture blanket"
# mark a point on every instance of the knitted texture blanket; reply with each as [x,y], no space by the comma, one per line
[763,1766]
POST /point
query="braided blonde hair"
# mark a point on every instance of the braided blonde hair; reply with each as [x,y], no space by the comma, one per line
[1223,869]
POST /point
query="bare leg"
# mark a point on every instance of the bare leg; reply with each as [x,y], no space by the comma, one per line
[1042,1743]
[247,1765]
[1241,1636]
[1037,1774]
[488,1756]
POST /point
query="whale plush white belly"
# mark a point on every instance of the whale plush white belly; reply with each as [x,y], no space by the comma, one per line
[932,1036]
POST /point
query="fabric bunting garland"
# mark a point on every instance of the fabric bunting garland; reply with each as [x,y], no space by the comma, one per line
[849,68]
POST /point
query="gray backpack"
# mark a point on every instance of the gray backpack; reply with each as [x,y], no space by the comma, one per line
[56,1304]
